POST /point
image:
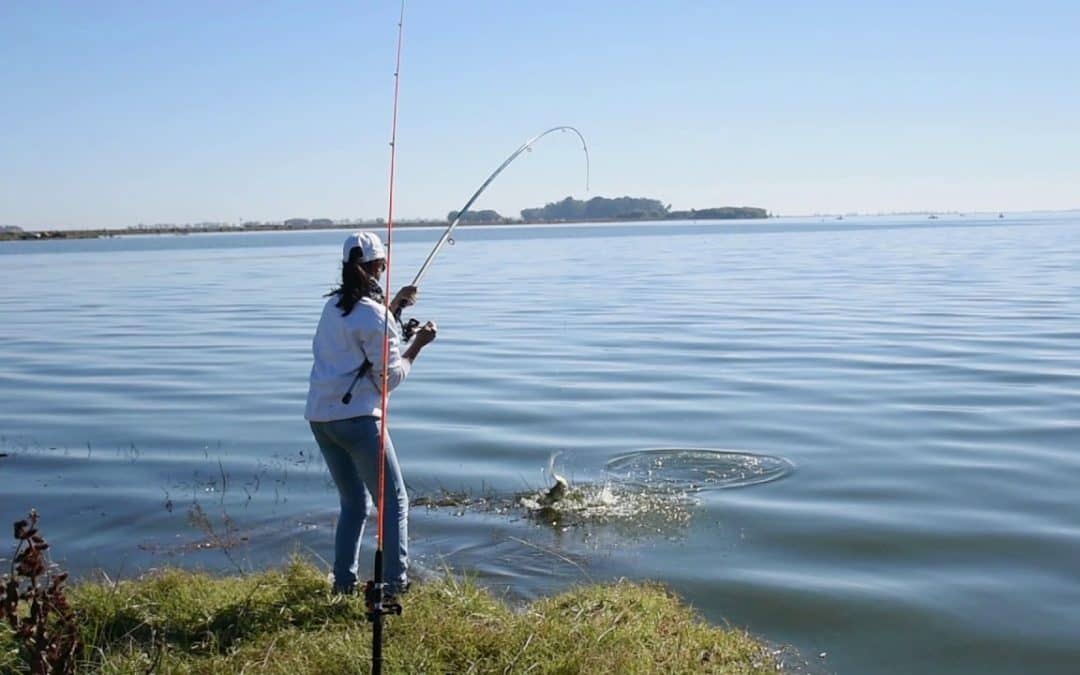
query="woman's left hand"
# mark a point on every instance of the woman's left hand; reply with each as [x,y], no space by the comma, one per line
[404,298]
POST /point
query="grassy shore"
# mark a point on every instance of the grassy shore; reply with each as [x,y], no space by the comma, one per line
[285,621]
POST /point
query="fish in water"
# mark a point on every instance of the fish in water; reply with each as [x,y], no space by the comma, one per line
[560,486]
[557,491]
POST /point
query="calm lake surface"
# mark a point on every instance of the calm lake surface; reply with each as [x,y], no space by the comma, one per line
[922,378]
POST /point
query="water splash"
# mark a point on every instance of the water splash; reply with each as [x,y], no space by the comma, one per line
[609,502]
[650,489]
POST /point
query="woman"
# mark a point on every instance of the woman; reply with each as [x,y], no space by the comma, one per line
[344,405]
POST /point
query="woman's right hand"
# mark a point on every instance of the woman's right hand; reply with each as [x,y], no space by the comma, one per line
[426,334]
[406,297]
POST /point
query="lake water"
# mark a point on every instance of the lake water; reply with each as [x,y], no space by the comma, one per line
[915,382]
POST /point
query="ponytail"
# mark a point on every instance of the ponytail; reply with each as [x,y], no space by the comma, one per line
[356,284]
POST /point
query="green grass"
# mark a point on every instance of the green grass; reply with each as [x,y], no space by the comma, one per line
[286,622]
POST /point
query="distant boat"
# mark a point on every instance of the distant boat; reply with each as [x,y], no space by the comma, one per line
[933,217]
[1001,215]
[839,217]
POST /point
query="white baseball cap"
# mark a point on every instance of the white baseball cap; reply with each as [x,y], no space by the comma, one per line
[370,246]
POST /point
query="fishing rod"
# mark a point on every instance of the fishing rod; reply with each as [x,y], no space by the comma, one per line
[409,327]
[375,590]
[465,209]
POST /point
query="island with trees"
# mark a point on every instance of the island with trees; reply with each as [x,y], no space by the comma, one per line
[630,208]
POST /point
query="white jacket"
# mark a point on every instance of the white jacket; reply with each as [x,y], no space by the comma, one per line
[340,346]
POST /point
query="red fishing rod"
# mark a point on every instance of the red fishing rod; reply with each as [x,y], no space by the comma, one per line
[375,591]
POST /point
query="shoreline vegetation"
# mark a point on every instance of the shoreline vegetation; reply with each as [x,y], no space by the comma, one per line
[595,210]
[285,621]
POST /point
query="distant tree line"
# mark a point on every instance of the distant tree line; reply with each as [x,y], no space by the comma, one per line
[605,208]
[599,208]
[569,209]
[631,208]
[306,224]
[485,217]
[719,213]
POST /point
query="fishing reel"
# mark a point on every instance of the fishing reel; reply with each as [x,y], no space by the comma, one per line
[408,329]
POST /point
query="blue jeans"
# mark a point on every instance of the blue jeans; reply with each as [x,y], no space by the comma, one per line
[351,450]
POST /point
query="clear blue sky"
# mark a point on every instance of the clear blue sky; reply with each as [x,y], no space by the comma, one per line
[115,113]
